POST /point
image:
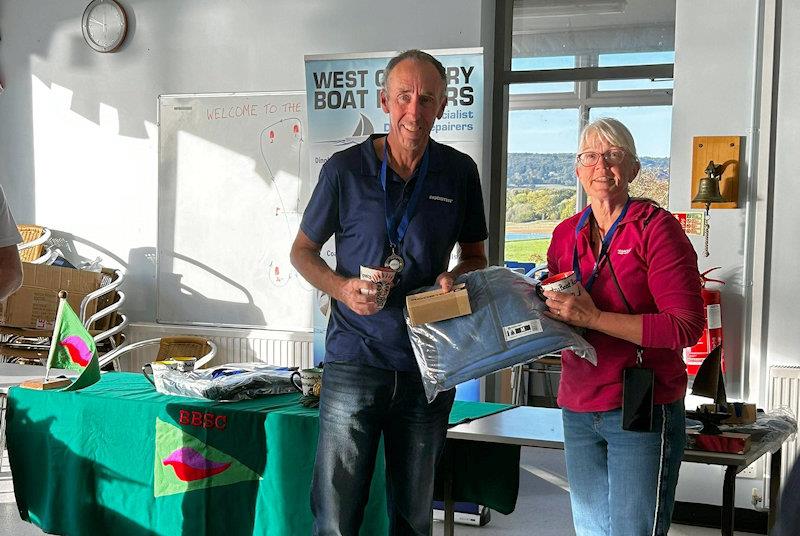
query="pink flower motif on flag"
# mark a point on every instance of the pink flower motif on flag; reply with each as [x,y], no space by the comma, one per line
[78,350]
[190,465]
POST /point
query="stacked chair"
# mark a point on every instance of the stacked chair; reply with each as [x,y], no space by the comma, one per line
[168,347]
[33,248]
[106,325]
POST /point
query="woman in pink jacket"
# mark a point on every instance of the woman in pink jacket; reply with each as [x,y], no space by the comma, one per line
[639,299]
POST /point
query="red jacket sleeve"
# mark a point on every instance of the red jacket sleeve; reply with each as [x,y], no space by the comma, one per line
[674,283]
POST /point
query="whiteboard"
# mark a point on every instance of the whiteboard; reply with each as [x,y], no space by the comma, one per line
[232,178]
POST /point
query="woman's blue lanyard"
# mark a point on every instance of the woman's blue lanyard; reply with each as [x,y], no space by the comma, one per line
[398,232]
[576,267]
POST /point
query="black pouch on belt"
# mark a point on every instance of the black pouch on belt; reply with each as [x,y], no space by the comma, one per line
[637,398]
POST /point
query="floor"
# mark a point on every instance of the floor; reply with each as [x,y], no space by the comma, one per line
[542,507]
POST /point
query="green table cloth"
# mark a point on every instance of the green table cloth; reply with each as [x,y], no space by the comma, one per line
[118,457]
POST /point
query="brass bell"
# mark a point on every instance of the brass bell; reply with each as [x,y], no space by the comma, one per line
[708,189]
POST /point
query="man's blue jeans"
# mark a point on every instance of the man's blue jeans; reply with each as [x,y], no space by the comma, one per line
[359,403]
[623,483]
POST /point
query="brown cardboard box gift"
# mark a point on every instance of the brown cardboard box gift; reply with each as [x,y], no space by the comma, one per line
[34,305]
[435,305]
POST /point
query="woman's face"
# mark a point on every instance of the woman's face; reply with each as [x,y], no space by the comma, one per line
[606,181]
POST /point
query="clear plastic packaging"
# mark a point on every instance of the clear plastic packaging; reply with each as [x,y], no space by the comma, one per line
[237,381]
[768,426]
[92,266]
[507,327]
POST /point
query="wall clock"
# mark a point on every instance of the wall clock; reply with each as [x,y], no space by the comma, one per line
[104,25]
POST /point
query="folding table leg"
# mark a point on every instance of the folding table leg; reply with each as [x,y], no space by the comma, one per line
[774,489]
[728,495]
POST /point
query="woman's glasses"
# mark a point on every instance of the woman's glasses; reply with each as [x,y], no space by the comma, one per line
[613,157]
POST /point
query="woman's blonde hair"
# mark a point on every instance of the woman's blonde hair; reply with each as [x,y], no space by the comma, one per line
[612,131]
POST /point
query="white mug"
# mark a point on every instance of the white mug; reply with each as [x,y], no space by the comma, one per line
[382,277]
[565,282]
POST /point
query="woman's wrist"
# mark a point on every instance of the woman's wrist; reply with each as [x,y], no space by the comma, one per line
[596,321]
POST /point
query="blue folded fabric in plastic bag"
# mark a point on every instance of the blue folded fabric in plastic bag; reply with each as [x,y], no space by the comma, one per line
[506,328]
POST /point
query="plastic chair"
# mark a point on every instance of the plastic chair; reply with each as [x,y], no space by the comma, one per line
[33,249]
[168,347]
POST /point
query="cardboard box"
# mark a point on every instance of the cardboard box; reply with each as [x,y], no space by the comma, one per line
[740,412]
[35,304]
[729,442]
[436,305]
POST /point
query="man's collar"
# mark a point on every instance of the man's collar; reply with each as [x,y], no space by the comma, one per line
[371,164]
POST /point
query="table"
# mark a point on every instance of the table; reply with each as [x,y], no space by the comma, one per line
[93,462]
[522,426]
[114,458]
[13,374]
[542,427]
[735,464]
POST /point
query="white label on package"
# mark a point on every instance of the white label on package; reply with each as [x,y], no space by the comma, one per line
[714,315]
[523,329]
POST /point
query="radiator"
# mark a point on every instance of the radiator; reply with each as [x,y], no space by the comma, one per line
[285,348]
[784,392]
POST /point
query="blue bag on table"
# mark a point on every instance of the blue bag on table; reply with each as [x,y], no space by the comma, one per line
[507,327]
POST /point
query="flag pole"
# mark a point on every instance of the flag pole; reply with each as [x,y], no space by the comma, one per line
[62,298]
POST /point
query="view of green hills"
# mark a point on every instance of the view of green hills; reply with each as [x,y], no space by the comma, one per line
[541,192]
[532,170]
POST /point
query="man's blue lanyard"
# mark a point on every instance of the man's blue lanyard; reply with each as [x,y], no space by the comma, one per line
[576,267]
[397,232]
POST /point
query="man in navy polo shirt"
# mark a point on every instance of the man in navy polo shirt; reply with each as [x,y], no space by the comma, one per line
[398,200]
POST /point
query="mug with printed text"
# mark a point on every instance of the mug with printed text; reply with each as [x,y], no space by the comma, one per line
[565,282]
[311,381]
[382,277]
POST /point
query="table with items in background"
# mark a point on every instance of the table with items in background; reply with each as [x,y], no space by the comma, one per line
[118,457]
[542,427]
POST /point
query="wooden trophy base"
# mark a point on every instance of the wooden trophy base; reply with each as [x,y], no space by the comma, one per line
[42,385]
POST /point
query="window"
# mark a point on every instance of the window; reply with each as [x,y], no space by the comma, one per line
[540,181]
[570,66]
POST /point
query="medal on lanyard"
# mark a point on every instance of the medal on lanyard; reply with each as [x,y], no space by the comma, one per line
[576,267]
[397,231]
[394,261]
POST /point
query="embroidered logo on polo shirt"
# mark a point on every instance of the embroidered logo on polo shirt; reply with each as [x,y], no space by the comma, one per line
[440,198]
[623,251]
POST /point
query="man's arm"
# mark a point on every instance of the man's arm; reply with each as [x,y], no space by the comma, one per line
[10,271]
[472,257]
[307,261]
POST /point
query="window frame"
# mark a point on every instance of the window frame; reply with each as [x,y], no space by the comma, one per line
[584,97]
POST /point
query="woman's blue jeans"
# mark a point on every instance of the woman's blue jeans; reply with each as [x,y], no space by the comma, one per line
[358,404]
[623,483]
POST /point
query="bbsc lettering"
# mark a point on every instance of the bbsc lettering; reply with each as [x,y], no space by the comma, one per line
[202,419]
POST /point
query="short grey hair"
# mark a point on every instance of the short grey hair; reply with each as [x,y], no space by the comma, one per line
[612,131]
[416,55]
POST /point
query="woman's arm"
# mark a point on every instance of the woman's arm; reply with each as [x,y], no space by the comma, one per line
[672,280]
[580,310]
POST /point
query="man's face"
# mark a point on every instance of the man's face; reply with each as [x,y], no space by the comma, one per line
[414,99]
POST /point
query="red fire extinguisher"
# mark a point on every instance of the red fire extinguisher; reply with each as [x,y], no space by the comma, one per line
[712,333]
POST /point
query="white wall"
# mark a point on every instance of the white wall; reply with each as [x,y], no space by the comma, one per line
[78,134]
[714,97]
[783,333]
[720,89]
